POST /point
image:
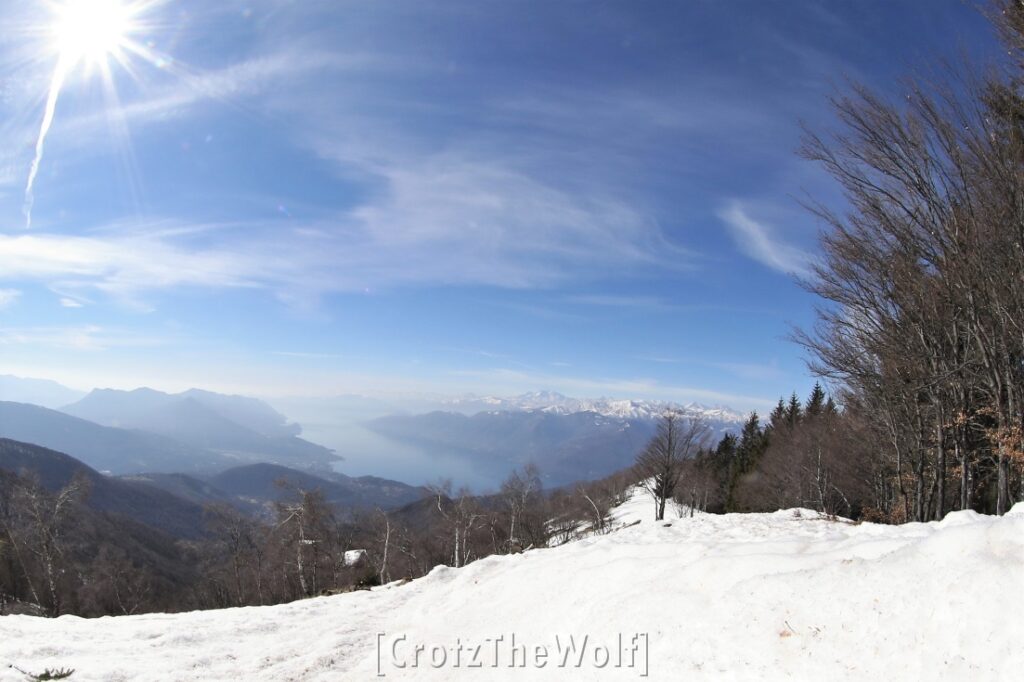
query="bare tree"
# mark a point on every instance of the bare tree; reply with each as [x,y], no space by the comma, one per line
[306,523]
[241,538]
[462,516]
[661,464]
[114,579]
[44,519]
[923,277]
[383,532]
[598,505]
[520,492]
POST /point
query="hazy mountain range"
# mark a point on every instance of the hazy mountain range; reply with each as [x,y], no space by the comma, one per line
[475,440]
[187,412]
[569,439]
[153,536]
[177,503]
[130,499]
[104,448]
[262,482]
[556,403]
[253,488]
[36,391]
[235,427]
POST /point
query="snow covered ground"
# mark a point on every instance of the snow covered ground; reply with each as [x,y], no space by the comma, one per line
[753,597]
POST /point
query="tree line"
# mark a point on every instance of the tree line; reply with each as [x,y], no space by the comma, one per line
[59,556]
[920,329]
[806,454]
[922,281]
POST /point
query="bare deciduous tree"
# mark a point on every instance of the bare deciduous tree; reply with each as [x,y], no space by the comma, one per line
[521,493]
[661,464]
[924,278]
[39,532]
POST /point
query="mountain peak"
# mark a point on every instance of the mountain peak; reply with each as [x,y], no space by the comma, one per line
[622,408]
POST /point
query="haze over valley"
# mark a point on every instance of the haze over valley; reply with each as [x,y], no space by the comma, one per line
[471,440]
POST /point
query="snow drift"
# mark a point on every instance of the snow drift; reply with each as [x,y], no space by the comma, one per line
[754,596]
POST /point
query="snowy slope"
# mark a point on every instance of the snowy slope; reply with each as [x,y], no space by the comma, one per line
[760,596]
[640,507]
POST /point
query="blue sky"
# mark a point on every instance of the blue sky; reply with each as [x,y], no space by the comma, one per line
[306,197]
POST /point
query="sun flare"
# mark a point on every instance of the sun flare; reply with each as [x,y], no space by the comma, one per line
[90,31]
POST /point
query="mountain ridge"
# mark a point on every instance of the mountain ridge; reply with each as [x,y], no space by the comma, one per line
[243,429]
[42,392]
[567,447]
[104,448]
[624,408]
[131,499]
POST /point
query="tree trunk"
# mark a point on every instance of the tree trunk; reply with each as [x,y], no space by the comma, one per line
[961,456]
[259,576]
[298,560]
[1003,483]
[51,581]
[940,504]
[387,542]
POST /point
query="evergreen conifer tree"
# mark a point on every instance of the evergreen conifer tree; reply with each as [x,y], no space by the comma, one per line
[794,411]
[777,419]
[815,403]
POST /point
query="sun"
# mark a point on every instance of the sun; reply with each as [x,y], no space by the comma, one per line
[91,31]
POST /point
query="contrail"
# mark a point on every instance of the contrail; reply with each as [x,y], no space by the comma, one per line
[56,83]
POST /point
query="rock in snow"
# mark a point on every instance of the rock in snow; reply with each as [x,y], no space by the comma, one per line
[786,595]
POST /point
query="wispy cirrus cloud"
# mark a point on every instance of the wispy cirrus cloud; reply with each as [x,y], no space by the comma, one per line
[661,359]
[455,218]
[621,301]
[8,297]
[443,221]
[310,355]
[758,241]
[238,85]
[117,264]
[436,214]
[174,91]
[435,217]
[79,338]
[450,217]
[752,371]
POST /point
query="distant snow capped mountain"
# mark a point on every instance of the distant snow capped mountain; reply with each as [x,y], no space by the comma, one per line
[556,403]
[570,439]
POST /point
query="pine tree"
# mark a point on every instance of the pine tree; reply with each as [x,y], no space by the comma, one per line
[724,456]
[752,445]
[724,464]
[794,413]
[777,419]
[815,403]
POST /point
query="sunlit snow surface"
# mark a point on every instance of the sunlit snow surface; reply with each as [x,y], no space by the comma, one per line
[758,596]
